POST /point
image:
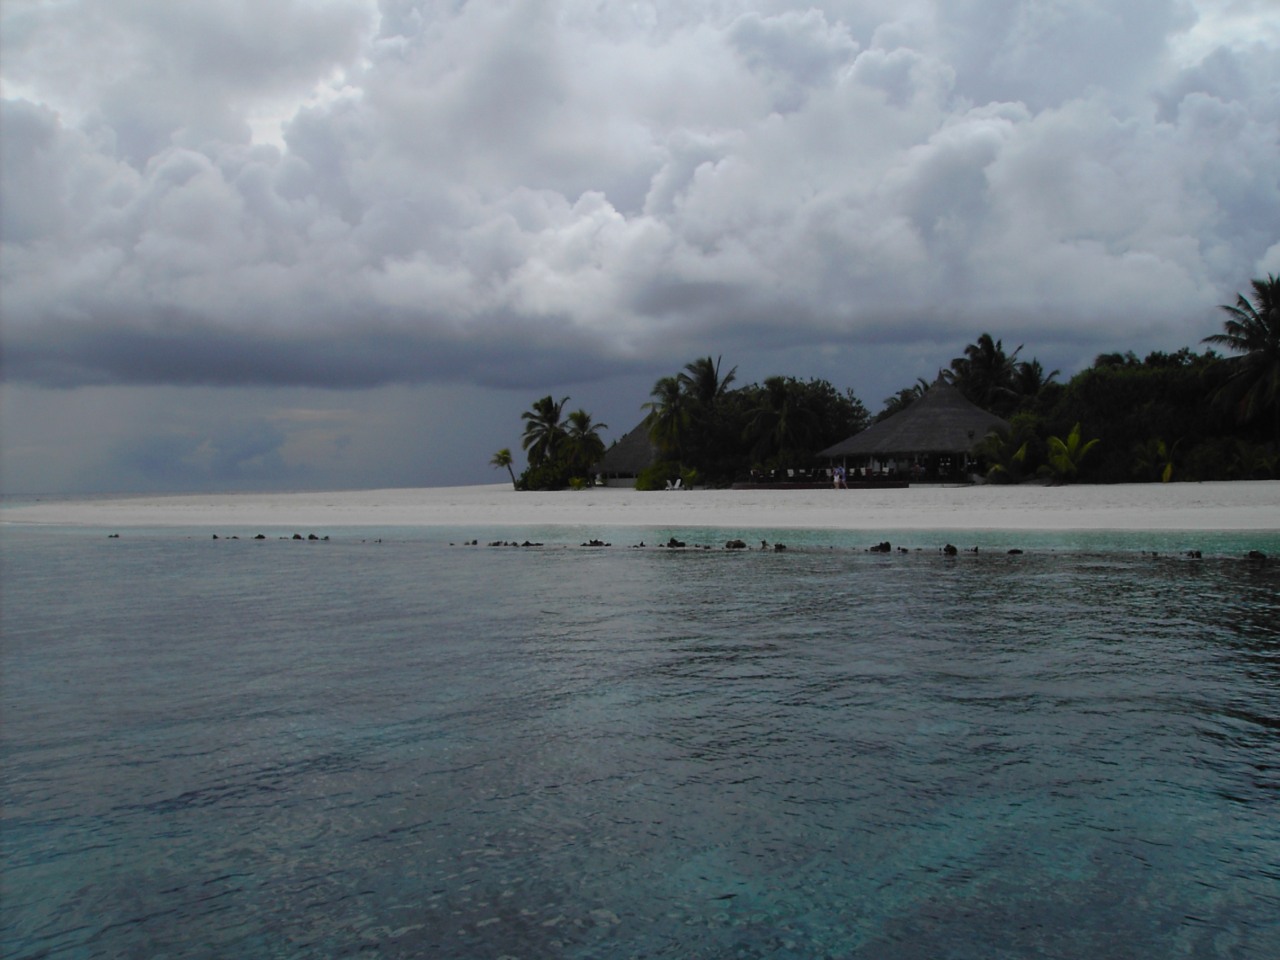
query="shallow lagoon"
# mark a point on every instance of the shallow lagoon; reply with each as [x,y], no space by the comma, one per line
[316,749]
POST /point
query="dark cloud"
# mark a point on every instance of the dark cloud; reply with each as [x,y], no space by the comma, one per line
[186,351]
[544,195]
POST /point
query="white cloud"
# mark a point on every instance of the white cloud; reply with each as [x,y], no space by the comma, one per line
[532,193]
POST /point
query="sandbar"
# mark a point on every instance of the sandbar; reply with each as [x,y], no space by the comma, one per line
[1220,506]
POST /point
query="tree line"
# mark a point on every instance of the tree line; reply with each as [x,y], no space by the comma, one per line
[562,449]
[1184,415]
[1181,415]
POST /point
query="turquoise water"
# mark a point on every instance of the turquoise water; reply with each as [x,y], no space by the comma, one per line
[410,748]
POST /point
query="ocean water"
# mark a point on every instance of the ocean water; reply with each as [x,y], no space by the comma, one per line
[393,744]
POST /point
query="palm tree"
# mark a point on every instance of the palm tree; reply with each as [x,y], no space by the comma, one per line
[543,430]
[503,459]
[668,417]
[702,383]
[780,424]
[1155,458]
[582,444]
[1253,331]
[986,375]
[1065,456]
[903,399]
[1029,377]
[1005,456]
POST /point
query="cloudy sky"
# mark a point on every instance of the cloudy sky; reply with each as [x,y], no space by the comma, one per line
[343,243]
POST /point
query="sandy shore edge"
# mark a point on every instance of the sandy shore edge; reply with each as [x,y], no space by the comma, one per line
[1236,506]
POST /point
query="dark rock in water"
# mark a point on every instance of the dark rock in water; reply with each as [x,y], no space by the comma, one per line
[312,536]
[673,542]
[882,547]
[297,536]
[736,545]
[215,536]
[113,536]
[1255,555]
[1194,554]
[261,536]
[1015,552]
[595,543]
[779,547]
[950,550]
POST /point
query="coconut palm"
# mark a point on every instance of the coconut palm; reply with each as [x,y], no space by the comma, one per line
[503,459]
[986,375]
[1066,455]
[780,424]
[701,381]
[1252,329]
[903,399]
[582,444]
[1155,458]
[1029,377]
[668,417]
[543,430]
[1005,456]
[1254,461]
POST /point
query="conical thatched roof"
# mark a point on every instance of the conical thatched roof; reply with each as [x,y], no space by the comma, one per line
[942,421]
[630,455]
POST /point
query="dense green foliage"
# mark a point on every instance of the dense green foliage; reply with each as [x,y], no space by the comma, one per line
[722,435]
[562,449]
[1170,416]
[1154,420]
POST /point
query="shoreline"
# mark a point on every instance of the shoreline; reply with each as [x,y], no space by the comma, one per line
[1226,506]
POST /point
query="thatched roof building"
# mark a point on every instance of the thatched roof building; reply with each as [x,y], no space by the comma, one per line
[630,455]
[941,422]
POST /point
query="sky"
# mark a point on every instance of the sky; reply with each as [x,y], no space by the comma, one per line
[310,244]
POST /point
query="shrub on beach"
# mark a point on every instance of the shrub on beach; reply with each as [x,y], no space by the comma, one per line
[658,475]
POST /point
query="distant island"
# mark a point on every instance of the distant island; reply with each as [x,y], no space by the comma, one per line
[1168,416]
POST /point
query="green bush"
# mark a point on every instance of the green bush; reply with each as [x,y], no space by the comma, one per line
[658,475]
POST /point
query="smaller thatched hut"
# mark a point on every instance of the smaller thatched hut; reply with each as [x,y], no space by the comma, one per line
[626,459]
[933,438]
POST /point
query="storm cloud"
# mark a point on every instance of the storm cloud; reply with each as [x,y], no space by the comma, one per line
[345,195]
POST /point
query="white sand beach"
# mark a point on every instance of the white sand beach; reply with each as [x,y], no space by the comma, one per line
[1238,506]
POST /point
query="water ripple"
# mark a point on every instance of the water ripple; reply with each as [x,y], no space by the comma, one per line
[413,751]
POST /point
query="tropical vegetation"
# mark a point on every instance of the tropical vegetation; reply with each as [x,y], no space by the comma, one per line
[1252,330]
[706,431]
[503,459]
[1168,416]
[1066,456]
[562,448]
